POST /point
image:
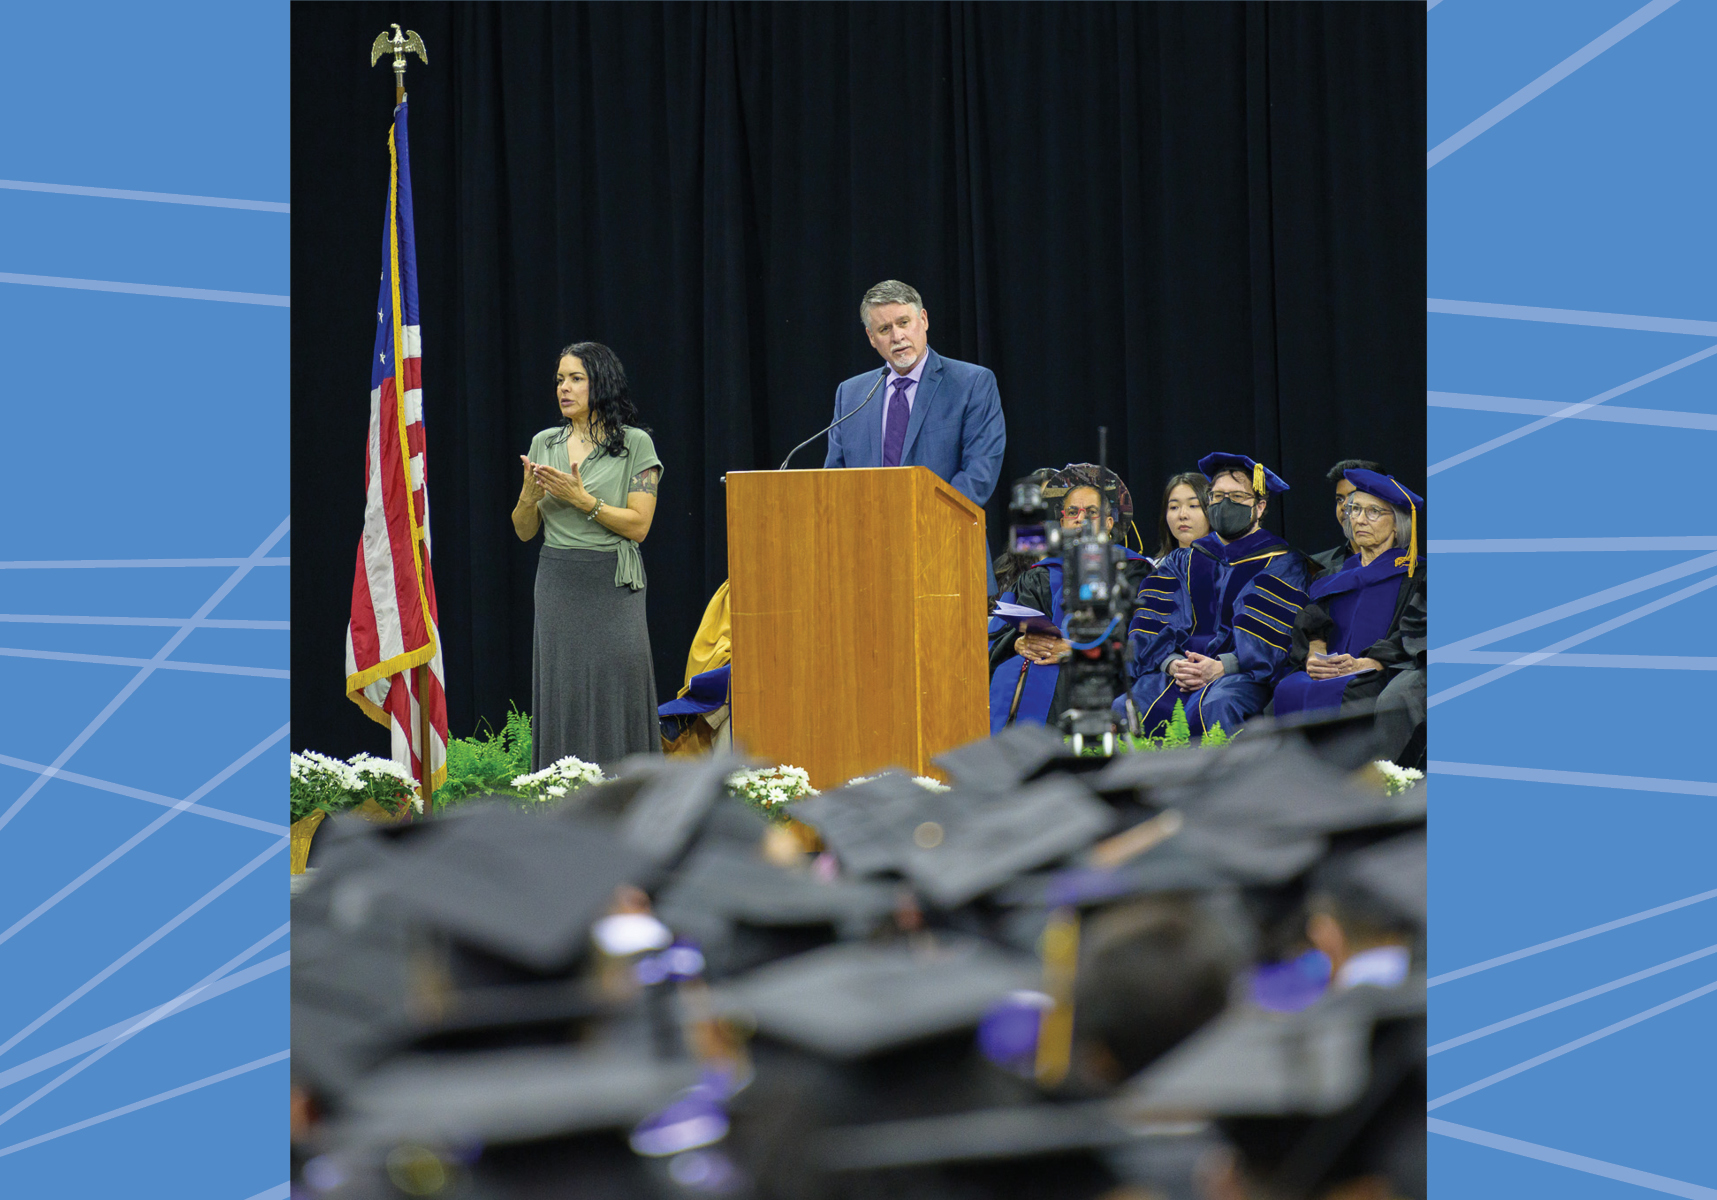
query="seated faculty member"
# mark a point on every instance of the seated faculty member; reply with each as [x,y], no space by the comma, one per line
[927,410]
[590,486]
[1026,686]
[1327,561]
[1215,618]
[1183,520]
[1362,634]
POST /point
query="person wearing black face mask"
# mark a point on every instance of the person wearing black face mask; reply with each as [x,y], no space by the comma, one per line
[1215,619]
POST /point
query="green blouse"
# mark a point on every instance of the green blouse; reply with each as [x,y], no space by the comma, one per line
[608,479]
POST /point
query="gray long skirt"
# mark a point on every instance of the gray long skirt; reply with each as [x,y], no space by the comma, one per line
[593,683]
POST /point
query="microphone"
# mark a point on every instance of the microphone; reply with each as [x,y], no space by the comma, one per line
[820,432]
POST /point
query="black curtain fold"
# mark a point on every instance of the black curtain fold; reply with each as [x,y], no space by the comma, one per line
[1199,224]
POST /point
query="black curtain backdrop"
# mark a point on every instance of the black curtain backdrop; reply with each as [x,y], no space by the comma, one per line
[1200,224]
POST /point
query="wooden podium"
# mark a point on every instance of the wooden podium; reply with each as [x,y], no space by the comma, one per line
[858,603]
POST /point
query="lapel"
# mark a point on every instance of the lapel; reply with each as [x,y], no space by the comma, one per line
[870,429]
[921,402]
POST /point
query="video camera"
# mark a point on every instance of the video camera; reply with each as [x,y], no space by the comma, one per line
[1097,603]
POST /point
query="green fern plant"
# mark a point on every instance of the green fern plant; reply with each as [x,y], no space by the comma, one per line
[487,761]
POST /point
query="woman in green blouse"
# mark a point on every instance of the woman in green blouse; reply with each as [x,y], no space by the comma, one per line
[590,486]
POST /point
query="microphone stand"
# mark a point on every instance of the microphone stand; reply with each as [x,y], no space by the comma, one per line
[820,433]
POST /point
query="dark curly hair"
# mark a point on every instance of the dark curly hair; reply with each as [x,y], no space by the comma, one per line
[1200,486]
[611,407]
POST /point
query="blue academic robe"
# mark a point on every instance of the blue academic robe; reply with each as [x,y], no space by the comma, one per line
[1234,600]
[1362,603]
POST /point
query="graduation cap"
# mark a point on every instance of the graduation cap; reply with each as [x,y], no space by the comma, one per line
[856,999]
[1310,1098]
[514,1095]
[673,802]
[954,846]
[1388,878]
[1251,1062]
[725,894]
[1011,757]
[1385,487]
[1292,790]
[516,885]
[1263,478]
[1007,1132]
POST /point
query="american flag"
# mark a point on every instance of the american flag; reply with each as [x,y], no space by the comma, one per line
[394,624]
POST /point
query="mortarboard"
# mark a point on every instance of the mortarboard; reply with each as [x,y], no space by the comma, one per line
[855,999]
[1389,876]
[1250,1062]
[1294,791]
[954,846]
[1011,757]
[519,886]
[1385,487]
[514,1095]
[1264,480]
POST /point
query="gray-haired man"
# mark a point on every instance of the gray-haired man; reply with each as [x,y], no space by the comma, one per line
[934,412]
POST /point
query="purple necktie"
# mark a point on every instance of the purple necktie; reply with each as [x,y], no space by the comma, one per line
[894,423]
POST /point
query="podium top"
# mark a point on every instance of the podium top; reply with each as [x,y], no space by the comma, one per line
[855,479]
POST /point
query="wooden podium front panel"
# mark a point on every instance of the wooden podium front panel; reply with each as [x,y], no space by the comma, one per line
[857,600]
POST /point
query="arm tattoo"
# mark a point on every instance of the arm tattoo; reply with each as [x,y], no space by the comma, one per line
[645,481]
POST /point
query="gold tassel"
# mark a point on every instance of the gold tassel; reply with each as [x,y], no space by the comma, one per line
[1412,558]
[1060,966]
[1258,479]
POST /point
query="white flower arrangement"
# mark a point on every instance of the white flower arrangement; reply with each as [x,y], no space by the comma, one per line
[321,781]
[1396,779]
[770,787]
[558,779]
[924,781]
[367,767]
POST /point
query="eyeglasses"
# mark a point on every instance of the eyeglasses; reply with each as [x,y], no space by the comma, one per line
[1080,512]
[1237,497]
[1354,512]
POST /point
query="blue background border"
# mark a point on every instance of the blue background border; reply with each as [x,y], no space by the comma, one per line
[1571,264]
[1572,795]
[143,398]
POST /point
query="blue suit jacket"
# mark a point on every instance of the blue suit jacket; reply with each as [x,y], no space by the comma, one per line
[956,428]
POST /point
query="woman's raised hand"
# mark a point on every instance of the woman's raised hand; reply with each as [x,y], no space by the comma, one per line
[566,486]
[532,491]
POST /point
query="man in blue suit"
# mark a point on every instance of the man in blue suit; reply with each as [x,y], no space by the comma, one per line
[934,412]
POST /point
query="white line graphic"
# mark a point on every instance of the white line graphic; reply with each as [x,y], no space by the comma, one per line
[102,975]
[1631,783]
[1570,316]
[146,289]
[142,835]
[72,189]
[1585,635]
[1570,410]
[157,1014]
[120,789]
[1569,1047]
[115,660]
[1664,417]
[159,1097]
[1585,603]
[125,692]
[151,622]
[1545,82]
[1576,1162]
[101,1037]
[1568,939]
[1569,1001]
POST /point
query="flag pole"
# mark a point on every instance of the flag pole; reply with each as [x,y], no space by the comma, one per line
[403,42]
